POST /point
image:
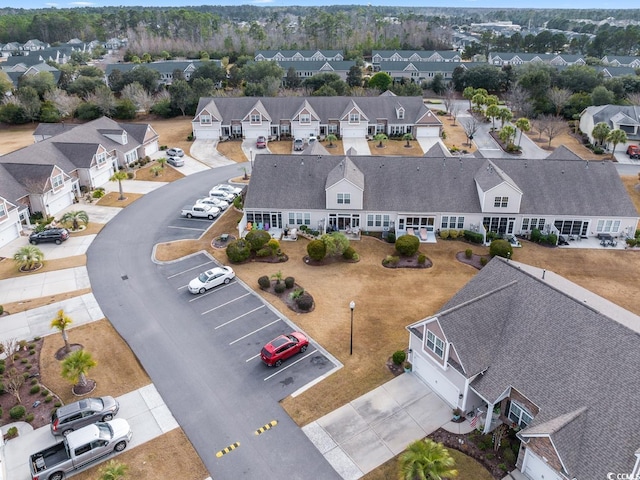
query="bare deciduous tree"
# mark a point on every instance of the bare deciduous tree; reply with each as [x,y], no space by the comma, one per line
[104,99]
[9,347]
[470,126]
[519,101]
[552,126]
[634,98]
[559,98]
[448,98]
[136,93]
[65,104]
[13,380]
[455,110]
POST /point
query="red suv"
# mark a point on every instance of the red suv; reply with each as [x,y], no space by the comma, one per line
[633,151]
[283,347]
[261,142]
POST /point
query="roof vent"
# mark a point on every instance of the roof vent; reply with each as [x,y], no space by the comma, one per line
[525,164]
[302,163]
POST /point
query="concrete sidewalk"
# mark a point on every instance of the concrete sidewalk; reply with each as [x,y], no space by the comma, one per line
[69,248]
[205,151]
[43,284]
[360,145]
[37,322]
[134,186]
[144,408]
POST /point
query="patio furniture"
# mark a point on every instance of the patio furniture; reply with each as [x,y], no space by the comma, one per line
[266,227]
[410,231]
[249,226]
[423,234]
[260,226]
[224,237]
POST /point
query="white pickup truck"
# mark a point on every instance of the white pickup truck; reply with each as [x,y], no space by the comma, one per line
[200,210]
[81,447]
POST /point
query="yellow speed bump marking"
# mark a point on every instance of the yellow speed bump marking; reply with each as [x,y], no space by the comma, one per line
[266,427]
[224,451]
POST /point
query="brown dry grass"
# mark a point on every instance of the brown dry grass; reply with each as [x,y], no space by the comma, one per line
[455,135]
[166,174]
[8,268]
[92,228]
[24,305]
[14,137]
[232,149]
[632,184]
[111,199]
[118,370]
[396,147]
[173,132]
[168,456]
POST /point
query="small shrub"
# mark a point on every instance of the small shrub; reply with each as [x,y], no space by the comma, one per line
[1,412]
[274,245]
[453,234]
[444,234]
[48,399]
[390,260]
[264,252]
[24,360]
[34,381]
[536,235]
[264,282]
[44,392]
[398,357]
[473,237]
[257,239]
[17,412]
[98,193]
[2,387]
[28,366]
[26,375]
[422,259]
[289,282]
[483,261]
[1,309]
[131,175]
[238,251]
[468,253]
[237,202]
[32,352]
[304,228]
[503,466]
[632,242]
[29,418]
[500,248]
[407,245]
[12,432]
[316,249]
[552,239]
[391,237]
[304,302]
[279,287]
[356,257]
[35,389]
[297,293]
[509,456]
[348,253]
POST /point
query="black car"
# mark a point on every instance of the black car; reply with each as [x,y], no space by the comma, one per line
[57,235]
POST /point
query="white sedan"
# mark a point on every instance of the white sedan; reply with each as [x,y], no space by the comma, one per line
[211,278]
[235,191]
[216,202]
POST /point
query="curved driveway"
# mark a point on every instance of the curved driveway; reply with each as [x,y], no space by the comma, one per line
[212,394]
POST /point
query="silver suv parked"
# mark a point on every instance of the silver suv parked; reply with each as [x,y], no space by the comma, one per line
[84,412]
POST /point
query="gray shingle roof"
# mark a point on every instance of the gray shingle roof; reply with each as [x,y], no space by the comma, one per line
[445,184]
[561,353]
[33,177]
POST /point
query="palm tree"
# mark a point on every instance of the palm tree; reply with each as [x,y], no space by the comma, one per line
[600,132]
[426,460]
[76,365]
[524,125]
[118,177]
[114,470]
[408,137]
[504,115]
[27,258]
[162,161]
[615,137]
[492,112]
[61,322]
[380,137]
[332,138]
[74,218]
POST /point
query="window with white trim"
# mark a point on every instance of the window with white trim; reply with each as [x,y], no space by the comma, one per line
[131,157]
[344,198]
[377,220]
[57,181]
[299,218]
[305,118]
[533,223]
[256,119]
[608,226]
[435,344]
[3,211]
[236,130]
[101,158]
[400,113]
[205,119]
[284,128]
[354,118]
[519,415]
[333,128]
[500,201]
[379,128]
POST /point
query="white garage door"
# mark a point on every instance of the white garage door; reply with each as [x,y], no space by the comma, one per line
[59,203]
[436,380]
[354,132]
[207,133]
[103,177]
[422,132]
[536,468]
[151,148]
[9,232]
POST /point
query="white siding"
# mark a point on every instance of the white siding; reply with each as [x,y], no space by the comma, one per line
[424,132]
[344,186]
[536,468]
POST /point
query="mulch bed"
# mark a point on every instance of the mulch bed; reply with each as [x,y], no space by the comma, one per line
[286,297]
[61,353]
[39,404]
[408,262]
[328,260]
[220,244]
[468,444]
[475,260]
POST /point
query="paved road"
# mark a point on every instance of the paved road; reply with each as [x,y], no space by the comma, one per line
[218,394]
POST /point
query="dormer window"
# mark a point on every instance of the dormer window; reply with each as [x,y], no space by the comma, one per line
[500,202]
[57,181]
[256,119]
[435,344]
[519,415]
[101,158]
[205,119]
[400,113]
[305,118]
[344,198]
[3,211]
[354,118]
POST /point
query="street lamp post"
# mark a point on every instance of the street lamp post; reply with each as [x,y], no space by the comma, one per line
[251,158]
[352,305]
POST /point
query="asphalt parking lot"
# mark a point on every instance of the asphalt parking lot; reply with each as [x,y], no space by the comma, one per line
[238,323]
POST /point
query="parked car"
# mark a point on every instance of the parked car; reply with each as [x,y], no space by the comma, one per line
[298,145]
[235,191]
[216,202]
[175,161]
[312,138]
[221,194]
[633,151]
[56,235]
[261,142]
[283,347]
[175,152]
[200,210]
[84,412]
[211,278]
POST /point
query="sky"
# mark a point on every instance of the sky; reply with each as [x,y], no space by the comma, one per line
[572,4]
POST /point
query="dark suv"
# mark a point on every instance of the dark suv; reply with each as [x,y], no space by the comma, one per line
[84,412]
[57,235]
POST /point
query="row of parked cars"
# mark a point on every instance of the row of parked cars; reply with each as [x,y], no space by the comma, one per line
[218,200]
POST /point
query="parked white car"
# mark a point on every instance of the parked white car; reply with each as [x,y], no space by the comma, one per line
[211,278]
[222,195]
[235,191]
[200,211]
[216,202]
[175,152]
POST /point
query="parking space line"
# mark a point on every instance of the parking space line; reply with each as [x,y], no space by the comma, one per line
[252,358]
[187,228]
[189,269]
[282,369]
[255,331]
[204,295]
[239,317]
[226,303]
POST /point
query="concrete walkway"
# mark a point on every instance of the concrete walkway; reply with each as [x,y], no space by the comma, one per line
[362,435]
[134,186]
[360,145]
[69,248]
[37,321]
[144,408]
[205,151]
[38,285]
